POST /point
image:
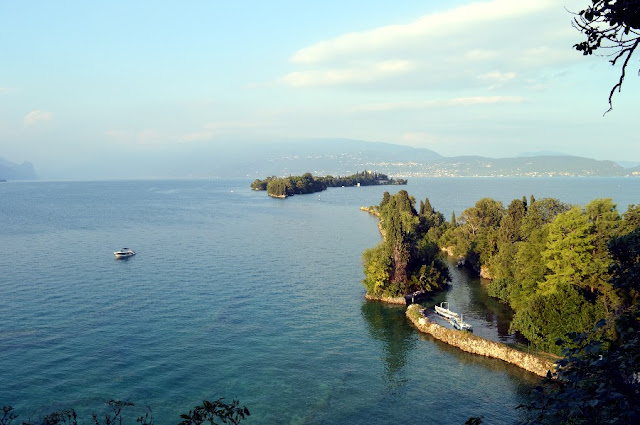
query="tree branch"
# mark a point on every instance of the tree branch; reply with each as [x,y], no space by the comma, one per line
[618,86]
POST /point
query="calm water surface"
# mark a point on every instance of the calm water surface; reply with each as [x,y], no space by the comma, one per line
[234,294]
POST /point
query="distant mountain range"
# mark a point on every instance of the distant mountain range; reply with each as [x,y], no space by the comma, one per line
[341,156]
[320,157]
[12,171]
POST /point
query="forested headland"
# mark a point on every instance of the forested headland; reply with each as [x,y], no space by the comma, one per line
[552,262]
[282,187]
[408,259]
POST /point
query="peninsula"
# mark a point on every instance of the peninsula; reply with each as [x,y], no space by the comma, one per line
[283,187]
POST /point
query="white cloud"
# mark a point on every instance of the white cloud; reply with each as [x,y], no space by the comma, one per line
[483,100]
[360,74]
[497,76]
[36,116]
[213,129]
[435,25]
[419,138]
[456,101]
[496,40]
[144,137]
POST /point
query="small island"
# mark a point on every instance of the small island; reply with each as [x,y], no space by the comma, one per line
[283,187]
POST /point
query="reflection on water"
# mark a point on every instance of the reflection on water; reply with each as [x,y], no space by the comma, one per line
[468,295]
[388,325]
[426,378]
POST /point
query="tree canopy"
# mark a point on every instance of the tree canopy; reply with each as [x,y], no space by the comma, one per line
[409,258]
[283,187]
[549,261]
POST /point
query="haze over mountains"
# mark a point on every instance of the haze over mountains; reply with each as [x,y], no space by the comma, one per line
[318,156]
[12,171]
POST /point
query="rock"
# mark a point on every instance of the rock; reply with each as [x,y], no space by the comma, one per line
[476,345]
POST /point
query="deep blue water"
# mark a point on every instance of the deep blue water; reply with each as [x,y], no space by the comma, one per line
[235,294]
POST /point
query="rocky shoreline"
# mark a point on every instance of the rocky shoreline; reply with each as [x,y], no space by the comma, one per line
[476,345]
[465,341]
[401,300]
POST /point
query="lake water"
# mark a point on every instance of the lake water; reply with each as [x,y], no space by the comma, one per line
[235,294]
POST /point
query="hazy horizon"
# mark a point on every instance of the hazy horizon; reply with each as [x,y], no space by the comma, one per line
[97,88]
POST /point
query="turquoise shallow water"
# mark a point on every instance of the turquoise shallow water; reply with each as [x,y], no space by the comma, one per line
[234,294]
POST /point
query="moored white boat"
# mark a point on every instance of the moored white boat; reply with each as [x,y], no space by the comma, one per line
[443,310]
[124,253]
[456,320]
[460,324]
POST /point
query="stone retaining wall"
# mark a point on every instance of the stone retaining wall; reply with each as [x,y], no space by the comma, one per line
[390,300]
[476,345]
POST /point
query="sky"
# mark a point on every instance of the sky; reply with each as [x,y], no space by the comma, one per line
[86,82]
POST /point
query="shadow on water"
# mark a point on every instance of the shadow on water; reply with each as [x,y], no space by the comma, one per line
[388,325]
[494,365]
[467,294]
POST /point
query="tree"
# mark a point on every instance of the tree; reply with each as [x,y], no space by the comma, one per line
[568,256]
[501,264]
[631,219]
[377,267]
[210,412]
[625,271]
[613,25]
[596,381]
[549,316]
[408,259]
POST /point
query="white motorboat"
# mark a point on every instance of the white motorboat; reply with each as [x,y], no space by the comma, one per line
[460,324]
[456,320]
[124,253]
[443,310]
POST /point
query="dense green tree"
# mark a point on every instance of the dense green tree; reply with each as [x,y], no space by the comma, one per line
[511,222]
[597,380]
[501,263]
[377,268]
[398,228]
[307,183]
[426,208]
[540,213]
[385,199]
[625,270]
[408,259]
[631,219]
[546,317]
[482,222]
[529,268]
[569,250]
